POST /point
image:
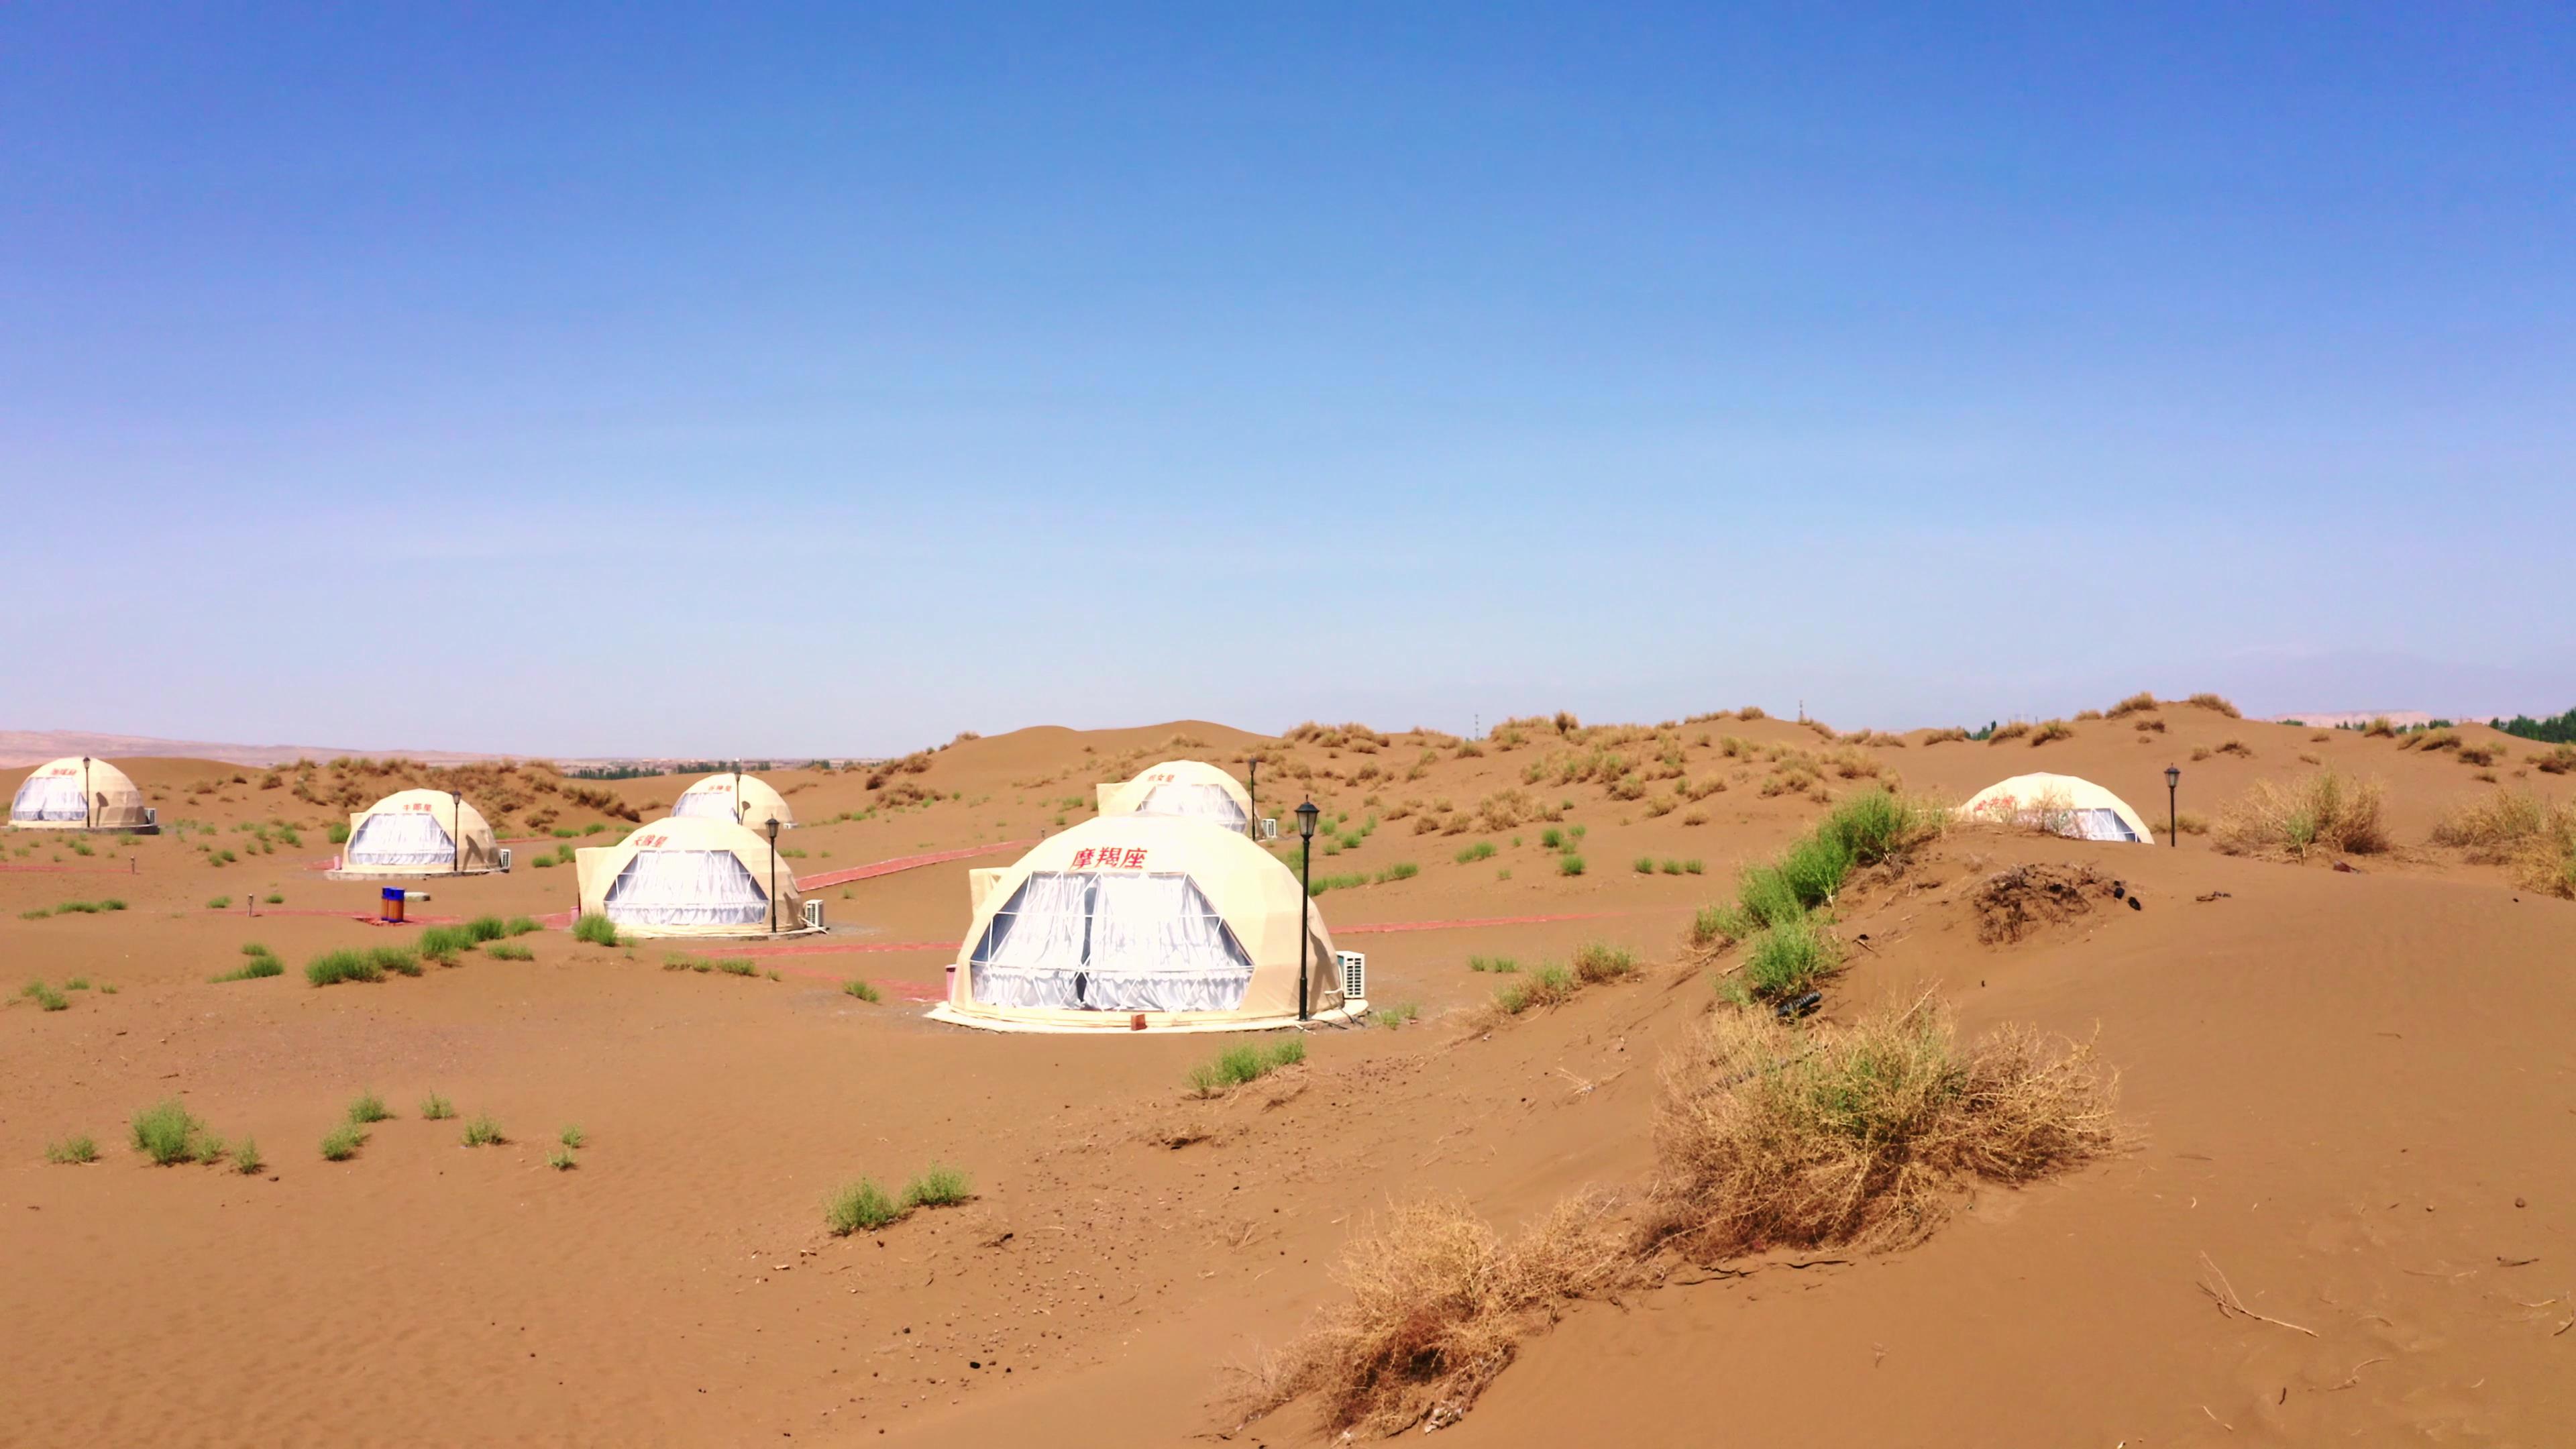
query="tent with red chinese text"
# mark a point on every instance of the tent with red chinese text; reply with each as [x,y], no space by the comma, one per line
[411,834]
[78,793]
[1142,922]
[1185,788]
[2067,805]
[745,799]
[693,876]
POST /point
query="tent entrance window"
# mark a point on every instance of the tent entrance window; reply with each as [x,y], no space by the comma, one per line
[2100,824]
[402,837]
[1083,941]
[51,797]
[1205,802]
[686,888]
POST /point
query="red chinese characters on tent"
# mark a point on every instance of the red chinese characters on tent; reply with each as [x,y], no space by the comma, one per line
[1110,857]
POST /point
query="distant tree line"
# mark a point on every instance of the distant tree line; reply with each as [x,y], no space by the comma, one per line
[2558,729]
[676,767]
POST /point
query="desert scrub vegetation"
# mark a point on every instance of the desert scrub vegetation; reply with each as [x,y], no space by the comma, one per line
[2141,702]
[1771,1134]
[1569,863]
[258,962]
[2054,729]
[863,990]
[1549,985]
[1437,1304]
[169,1134]
[2326,811]
[342,1143]
[1396,1014]
[1238,1065]
[482,1131]
[1481,850]
[435,1108]
[368,1108]
[72,1151]
[2518,828]
[443,944]
[509,951]
[595,929]
[864,1206]
[2012,731]
[45,997]
[2216,704]
[1785,961]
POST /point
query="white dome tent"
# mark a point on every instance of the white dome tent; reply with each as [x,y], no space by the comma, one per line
[746,800]
[1184,789]
[79,792]
[1145,923]
[692,876]
[416,834]
[2065,805]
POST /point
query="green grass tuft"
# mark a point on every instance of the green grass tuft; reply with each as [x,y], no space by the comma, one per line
[506,951]
[333,967]
[570,1136]
[562,1160]
[167,1133]
[863,991]
[486,928]
[483,1131]
[246,1158]
[436,1108]
[522,925]
[1481,850]
[596,929]
[1237,1065]
[1569,864]
[937,1186]
[1397,1014]
[860,1205]
[342,1143]
[368,1108]
[72,1150]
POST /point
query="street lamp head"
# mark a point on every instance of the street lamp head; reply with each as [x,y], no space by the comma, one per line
[1306,814]
[773,830]
[2173,776]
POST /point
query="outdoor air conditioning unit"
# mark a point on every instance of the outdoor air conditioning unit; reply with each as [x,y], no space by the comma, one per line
[151,815]
[1354,974]
[1270,827]
[813,915]
[505,860]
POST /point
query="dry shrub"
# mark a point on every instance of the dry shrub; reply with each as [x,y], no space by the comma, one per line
[1945,736]
[2012,731]
[1851,764]
[2055,729]
[2083,715]
[2010,904]
[2237,747]
[2215,702]
[2479,754]
[2558,761]
[2326,811]
[2431,740]
[2378,729]
[2141,702]
[1769,1134]
[1751,712]
[1438,1306]
[2535,835]
[2145,725]
[1504,809]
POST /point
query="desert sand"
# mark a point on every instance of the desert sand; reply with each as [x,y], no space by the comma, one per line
[2350,1092]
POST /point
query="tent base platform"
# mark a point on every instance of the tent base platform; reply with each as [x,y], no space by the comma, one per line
[1126,1023]
[684,936]
[407,874]
[74,827]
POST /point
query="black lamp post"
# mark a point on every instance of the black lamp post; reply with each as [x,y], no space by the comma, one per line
[773,872]
[1252,786]
[2173,816]
[456,823]
[89,801]
[737,802]
[1306,814]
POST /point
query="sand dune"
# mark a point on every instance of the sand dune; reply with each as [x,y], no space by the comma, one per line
[2348,1091]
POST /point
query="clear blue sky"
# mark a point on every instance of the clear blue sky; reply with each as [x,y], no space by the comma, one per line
[653,379]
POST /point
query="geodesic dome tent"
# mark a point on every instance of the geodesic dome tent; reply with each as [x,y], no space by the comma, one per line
[1145,922]
[79,793]
[2065,805]
[414,833]
[751,802]
[1183,788]
[692,876]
